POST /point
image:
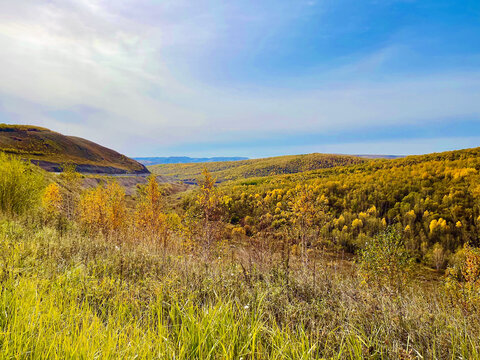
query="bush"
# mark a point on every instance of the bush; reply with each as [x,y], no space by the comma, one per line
[21,185]
[463,280]
[385,261]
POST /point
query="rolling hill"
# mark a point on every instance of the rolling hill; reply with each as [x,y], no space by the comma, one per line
[234,170]
[432,200]
[50,150]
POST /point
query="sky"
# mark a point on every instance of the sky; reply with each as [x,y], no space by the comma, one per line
[245,78]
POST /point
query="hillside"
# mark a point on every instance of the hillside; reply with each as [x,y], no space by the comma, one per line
[432,200]
[183,160]
[253,268]
[50,150]
[234,170]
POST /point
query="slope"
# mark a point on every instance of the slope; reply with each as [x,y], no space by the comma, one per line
[50,150]
[234,170]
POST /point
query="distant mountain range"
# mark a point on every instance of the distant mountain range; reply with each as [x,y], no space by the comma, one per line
[183,160]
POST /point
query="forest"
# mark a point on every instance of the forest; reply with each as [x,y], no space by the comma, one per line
[241,169]
[374,259]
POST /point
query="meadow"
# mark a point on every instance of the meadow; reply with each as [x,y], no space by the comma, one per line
[225,275]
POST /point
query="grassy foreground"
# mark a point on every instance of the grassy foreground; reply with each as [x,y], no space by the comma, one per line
[70,296]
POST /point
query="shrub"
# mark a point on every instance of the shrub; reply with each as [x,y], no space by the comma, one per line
[21,185]
[385,261]
[463,281]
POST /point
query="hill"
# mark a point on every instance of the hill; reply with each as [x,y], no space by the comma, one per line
[234,170]
[183,160]
[432,200]
[50,150]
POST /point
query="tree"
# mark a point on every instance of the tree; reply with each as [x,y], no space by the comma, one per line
[71,183]
[149,215]
[308,214]
[52,202]
[103,209]
[208,203]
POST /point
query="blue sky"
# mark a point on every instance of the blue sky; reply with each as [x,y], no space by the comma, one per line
[247,78]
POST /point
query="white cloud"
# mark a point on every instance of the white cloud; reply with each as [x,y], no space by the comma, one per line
[60,55]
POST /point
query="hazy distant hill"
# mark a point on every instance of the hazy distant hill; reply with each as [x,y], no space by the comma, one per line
[374,156]
[183,159]
[50,150]
[233,170]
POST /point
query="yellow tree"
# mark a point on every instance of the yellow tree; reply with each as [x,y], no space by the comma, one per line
[209,205]
[103,209]
[308,212]
[52,202]
[149,215]
[71,183]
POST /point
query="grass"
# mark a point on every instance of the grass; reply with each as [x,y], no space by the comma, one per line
[73,296]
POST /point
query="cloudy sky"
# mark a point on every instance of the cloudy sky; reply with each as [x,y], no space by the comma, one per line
[245,77]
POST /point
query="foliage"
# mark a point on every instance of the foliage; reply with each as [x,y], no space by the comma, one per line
[432,199]
[74,294]
[149,216]
[52,201]
[80,297]
[384,260]
[20,186]
[103,209]
[463,282]
[206,214]
[234,170]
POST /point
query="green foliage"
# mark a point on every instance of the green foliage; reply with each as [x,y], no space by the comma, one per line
[21,186]
[385,261]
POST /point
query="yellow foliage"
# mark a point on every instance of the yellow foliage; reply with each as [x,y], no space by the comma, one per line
[149,216]
[357,224]
[410,214]
[52,200]
[372,210]
[103,209]
[437,224]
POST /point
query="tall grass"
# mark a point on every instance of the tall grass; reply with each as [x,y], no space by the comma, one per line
[69,297]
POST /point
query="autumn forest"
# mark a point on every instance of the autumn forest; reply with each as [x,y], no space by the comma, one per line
[363,258]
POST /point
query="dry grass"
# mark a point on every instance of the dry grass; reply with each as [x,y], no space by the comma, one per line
[75,296]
